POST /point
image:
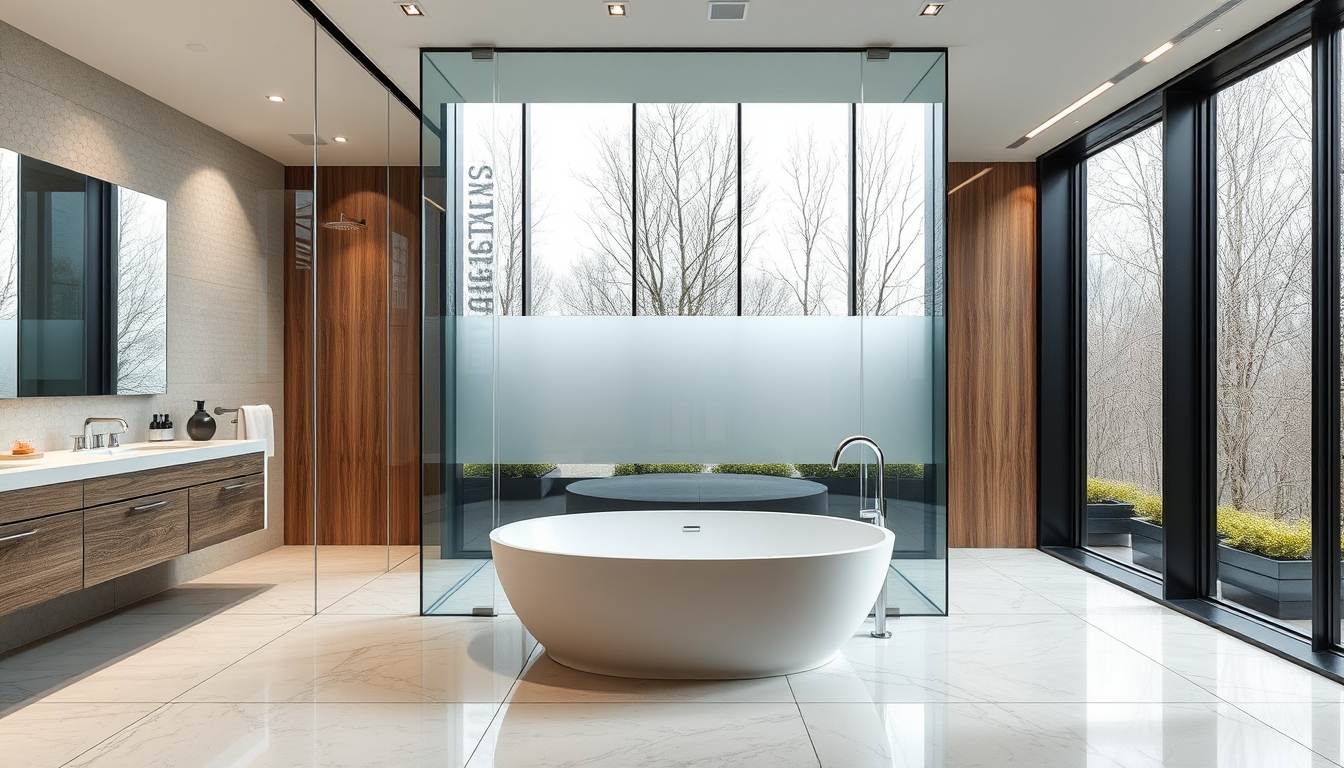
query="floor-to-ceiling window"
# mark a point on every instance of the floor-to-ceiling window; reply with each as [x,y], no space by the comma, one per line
[1263,331]
[1124,350]
[1216,232]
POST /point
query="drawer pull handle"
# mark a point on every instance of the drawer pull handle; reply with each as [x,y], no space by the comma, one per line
[18,535]
[143,507]
[235,486]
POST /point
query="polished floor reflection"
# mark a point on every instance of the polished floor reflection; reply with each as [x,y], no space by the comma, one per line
[1039,664]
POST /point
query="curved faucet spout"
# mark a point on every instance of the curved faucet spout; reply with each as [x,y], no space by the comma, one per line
[881,466]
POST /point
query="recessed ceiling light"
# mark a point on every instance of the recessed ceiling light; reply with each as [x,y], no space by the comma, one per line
[412,9]
[931,9]
[196,48]
[338,139]
[617,9]
[276,98]
[1070,109]
[1161,49]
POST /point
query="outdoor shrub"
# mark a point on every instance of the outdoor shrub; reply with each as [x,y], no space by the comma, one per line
[508,470]
[1279,539]
[852,470]
[1100,491]
[774,470]
[658,469]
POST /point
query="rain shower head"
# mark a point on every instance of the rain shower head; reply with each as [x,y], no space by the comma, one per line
[345,223]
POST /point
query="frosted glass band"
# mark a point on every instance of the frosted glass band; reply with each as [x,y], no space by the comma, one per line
[693,389]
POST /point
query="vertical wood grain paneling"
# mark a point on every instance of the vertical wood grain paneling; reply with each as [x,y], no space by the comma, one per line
[298,373]
[404,354]
[368,362]
[992,355]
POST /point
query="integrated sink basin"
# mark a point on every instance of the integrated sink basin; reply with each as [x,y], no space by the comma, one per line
[63,466]
[137,448]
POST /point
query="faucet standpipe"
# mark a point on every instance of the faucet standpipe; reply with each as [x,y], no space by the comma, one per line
[877,516]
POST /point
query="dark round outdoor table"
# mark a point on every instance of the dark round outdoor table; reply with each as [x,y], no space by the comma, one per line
[696,491]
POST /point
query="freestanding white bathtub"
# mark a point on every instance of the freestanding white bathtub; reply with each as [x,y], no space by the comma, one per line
[691,594]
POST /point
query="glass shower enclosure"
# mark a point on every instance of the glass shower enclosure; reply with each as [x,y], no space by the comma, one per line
[680,262]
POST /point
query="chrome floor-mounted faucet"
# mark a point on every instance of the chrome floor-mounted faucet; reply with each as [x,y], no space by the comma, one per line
[877,516]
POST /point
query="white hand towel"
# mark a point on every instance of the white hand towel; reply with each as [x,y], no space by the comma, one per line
[255,422]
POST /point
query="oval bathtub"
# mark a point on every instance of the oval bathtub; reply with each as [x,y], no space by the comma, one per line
[691,594]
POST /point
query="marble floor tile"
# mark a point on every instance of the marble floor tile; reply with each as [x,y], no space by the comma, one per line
[46,666]
[1089,596]
[1048,735]
[545,680]
[1234,670]
[991,593]
[177,663]
[45,735]
[1318,726]
[393,593]
[378,659]
[295,735]
[647,735]
[993,658]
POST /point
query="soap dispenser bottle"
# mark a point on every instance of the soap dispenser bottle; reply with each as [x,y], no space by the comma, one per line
[201,426]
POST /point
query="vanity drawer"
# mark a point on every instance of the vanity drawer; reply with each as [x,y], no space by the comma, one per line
[40,559]
[227,509]
[27,503]
[130,535]
[105,490]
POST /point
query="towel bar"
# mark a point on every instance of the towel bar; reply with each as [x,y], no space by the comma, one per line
[219,411]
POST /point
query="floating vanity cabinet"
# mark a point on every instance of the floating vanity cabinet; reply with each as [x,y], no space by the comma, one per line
[40,559]
[80,520]
[124,537]
[227,509]
[28,503]
[102,490]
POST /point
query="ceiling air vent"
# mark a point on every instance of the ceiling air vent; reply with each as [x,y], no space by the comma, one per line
[727,10]
[308,139]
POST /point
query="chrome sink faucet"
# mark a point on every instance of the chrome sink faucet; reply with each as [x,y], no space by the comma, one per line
[95,440]
[877,515]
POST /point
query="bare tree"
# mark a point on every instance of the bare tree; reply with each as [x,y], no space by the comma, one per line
[9,235]
[142,275]
[502,142]
[684,209]
[810,245]
[1124,312]
[889,218]
[1264,285]
[1263,299]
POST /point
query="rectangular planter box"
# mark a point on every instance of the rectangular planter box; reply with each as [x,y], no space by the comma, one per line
[1108,524]
[510,488]
[1145,540]
[1278,588]
[903,488]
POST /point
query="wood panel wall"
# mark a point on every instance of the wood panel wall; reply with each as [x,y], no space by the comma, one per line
[368,349]
[991,284]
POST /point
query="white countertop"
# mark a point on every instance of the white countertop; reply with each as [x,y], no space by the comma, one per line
[67,466]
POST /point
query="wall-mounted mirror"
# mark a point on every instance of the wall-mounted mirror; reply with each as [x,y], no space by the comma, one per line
[83,284]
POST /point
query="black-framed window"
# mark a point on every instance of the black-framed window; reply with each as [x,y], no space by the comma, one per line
[1249,498]
[695,209]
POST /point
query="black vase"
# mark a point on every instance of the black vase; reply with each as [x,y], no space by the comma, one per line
[201,425]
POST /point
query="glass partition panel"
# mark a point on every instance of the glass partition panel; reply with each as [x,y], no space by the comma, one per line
[351,210]
[1264,341]
[655,210]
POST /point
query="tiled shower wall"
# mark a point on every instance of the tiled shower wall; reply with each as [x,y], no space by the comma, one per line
[225,292]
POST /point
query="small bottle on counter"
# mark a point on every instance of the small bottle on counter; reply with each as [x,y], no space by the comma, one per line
[160,428]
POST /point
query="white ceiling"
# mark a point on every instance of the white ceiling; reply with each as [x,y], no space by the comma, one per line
[1012,64]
